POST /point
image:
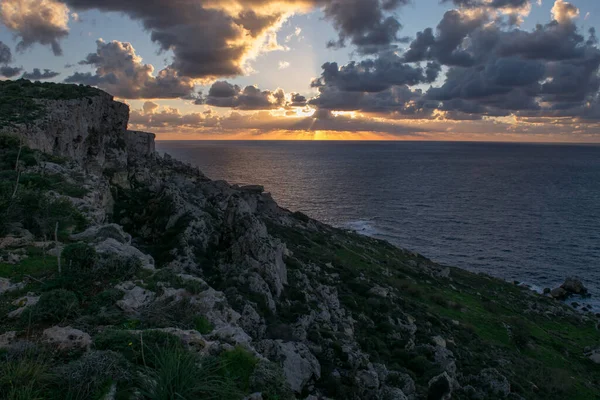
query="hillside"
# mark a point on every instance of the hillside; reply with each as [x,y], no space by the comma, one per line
[128,275]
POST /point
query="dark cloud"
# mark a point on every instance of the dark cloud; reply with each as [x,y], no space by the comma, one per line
[445,46]
[38,75]
[497,4]
[120,71]
[10,72]
[375,75]
[36,21]
[365,23]
[297,100]
[5,54]
[224,94]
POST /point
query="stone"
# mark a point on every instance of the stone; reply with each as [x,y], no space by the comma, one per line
[379,291]
[66,338]
[494,382]
[20,238]
[440,387]
[391,393]
[299,365]
[99,233]
[439,341]
[559,293]
[367,378]
[135,297]
[7,286]
[7,339]
[594,355]
[126,251]
[574,285]
[24,302]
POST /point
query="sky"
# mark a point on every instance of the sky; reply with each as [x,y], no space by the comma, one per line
[489,70]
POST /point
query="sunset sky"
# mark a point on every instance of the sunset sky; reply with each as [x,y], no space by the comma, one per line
[517,70]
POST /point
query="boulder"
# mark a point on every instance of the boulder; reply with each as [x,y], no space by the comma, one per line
[594,355]
[299,365]
[125,251]
[20,238]
[494,382]
[7,339]
[66,338]
[559,293]
[24,302]
[574,286]
[7,286]
[100,233]
[440,387]
[135,297]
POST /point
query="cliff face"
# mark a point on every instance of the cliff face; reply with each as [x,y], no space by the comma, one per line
[90,130]
[306,311]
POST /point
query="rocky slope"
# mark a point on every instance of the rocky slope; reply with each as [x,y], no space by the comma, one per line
[159,263]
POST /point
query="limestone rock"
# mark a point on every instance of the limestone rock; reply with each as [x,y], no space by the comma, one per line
[66,338]
[100,233]
[7,339]
[440,387]
[24,302]
[494,382]
[7,286]
[126,251]
[594,355]
[135,297]
[299,365]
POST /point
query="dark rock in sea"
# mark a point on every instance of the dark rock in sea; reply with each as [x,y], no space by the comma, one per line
[559,293]
[574,286]
[547,290]
[575,304]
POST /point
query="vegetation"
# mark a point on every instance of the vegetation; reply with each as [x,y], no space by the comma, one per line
[19,99]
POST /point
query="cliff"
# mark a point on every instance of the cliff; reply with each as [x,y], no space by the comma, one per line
[166,274]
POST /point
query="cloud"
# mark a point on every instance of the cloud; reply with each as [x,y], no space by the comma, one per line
[38,75]
[375,75]
[208,39]
[284,64]
[120,71]
[211,39]
[10,72]
[225,94]
[5,54]
[367,24]
[492,69]
[36,21]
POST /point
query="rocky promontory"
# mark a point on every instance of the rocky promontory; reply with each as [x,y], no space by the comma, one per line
[129,275]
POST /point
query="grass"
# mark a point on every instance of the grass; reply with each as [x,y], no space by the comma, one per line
[179,374]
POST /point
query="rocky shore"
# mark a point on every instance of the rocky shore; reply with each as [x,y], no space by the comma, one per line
[127,275]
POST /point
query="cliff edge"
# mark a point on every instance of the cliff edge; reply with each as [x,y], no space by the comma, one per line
[128,275]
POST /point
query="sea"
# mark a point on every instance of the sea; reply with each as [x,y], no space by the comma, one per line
[528,213]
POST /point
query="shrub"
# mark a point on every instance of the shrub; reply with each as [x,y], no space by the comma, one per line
[136,347]
[179,374]
[520,333]
[79,257]
[238,365]
[203,325]
[54,306]
[268,378]
[86,377]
